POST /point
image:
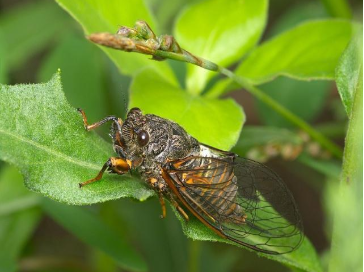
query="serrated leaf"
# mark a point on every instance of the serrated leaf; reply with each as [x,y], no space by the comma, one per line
[107,16]
[91,230]
[348,71]
[43,136]
[220,31]
[216,122]
[308,51]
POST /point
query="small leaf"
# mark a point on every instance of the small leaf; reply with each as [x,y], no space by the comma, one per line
[220,31]
[16,223]
[44,137]
[91,230]
[348,71]
[308,51]
[214,122]
[107,16]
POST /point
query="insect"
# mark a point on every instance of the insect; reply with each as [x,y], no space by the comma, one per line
[239,199]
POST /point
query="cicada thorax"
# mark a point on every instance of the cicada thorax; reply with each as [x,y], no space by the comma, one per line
[214,186]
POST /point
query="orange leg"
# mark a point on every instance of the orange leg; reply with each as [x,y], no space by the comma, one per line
[97,124]
[118,165]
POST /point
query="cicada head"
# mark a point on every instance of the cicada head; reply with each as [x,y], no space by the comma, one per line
[152,138]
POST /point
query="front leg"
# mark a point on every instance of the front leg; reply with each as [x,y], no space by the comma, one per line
[114,164]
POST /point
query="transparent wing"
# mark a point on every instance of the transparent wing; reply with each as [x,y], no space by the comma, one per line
[241,199]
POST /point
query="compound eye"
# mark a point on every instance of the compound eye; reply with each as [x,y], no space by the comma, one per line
[143,138]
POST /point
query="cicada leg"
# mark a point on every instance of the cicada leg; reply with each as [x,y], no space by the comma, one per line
[88,127]
[115,164]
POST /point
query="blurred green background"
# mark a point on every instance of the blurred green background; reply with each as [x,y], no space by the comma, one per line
[38,37]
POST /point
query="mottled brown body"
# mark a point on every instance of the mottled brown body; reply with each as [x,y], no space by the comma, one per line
[239,199]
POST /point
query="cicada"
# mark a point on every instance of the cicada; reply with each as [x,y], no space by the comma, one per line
[239,199]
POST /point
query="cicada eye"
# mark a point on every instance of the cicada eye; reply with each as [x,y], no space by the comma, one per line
[143,138]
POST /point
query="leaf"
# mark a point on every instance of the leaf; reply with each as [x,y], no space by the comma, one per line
[304,99]
[91,230]
[44,137]
[220,31]
[16,225]
[348,71]
[107,16]
[214,122]
[308,51]
[345,201]
[47,22]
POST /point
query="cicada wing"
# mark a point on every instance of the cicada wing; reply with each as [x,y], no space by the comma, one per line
[240,199]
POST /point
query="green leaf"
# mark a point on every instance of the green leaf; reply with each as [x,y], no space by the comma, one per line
[348,71]
[107,16]
[91,230]
[16,223]
[22,40]
[215,122]
[308,51]
[304,99]
[44,137]
[346,200]
[220,31]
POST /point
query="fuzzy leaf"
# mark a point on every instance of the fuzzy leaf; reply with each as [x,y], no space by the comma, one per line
[107,16]
[220,31]
[308,51]
[215,122]
[44,137]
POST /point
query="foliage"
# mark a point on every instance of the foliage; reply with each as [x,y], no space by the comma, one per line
[41,133]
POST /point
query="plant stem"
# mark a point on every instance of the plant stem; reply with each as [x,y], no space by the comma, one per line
[320,138]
